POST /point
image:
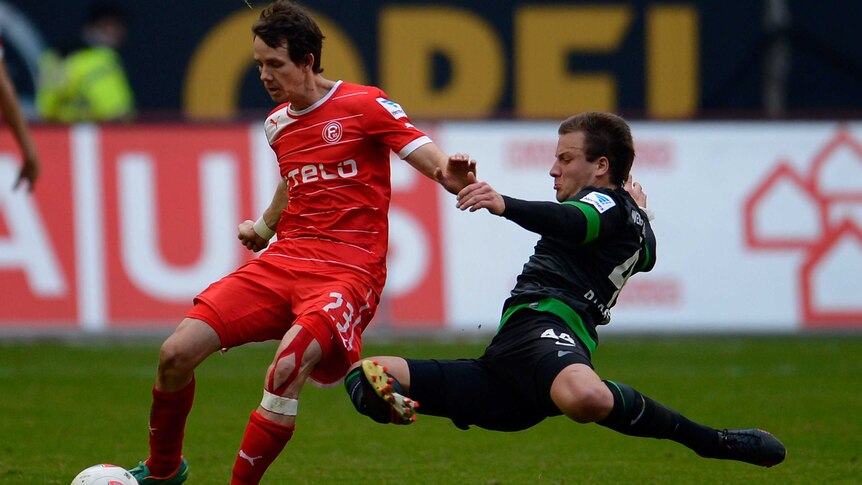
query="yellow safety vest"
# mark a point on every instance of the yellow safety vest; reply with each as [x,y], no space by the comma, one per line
[88,85]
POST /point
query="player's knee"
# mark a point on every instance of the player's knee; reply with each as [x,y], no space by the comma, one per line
[283,373]
[293,364]
[585,404]
[284,376]
[174,360]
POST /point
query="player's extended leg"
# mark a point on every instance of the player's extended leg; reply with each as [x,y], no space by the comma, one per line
[173,393]
[583,396]
[271,425]
[638,415]
[378,389]
[466,391]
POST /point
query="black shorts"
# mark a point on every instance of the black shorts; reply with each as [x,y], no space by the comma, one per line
[509,387]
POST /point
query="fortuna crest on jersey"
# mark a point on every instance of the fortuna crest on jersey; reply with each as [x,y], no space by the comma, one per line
[394,108]
[599,200]
[332,132]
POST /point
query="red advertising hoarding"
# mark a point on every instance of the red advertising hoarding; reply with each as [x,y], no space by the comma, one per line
[129,222]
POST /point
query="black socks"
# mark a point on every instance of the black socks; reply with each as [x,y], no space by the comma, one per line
[637,415]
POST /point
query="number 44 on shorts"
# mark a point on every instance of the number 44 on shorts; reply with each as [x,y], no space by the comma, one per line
[563,338]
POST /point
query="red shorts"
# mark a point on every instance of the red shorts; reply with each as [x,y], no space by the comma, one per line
[263,298]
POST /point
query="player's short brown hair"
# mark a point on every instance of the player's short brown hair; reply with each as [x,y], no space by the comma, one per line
[605,134]
[284,23]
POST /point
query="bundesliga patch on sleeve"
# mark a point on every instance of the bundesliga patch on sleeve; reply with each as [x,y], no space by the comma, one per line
[599,200]
[394,108]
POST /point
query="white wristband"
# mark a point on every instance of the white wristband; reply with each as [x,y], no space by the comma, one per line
[649,213]
[262,229]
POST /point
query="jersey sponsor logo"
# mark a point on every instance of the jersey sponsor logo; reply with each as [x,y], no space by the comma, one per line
[332,132]
[599,200]
[317,171]
[394,108]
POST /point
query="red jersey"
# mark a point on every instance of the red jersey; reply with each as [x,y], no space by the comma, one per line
[334,156]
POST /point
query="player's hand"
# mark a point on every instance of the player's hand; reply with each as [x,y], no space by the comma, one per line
[29,172]
[636,190]
[480,195]
[454,177]
[249,237]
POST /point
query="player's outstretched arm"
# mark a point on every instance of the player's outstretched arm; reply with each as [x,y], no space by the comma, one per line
[479,195]
[449,171]
[12,114]
[255,235]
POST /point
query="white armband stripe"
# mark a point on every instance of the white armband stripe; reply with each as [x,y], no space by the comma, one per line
[412,146]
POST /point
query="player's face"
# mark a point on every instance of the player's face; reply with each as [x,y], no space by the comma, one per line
[571,170]
[283,79]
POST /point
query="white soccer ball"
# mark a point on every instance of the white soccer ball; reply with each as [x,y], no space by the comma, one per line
[104,475]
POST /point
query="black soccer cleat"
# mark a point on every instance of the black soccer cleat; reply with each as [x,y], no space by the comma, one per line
[753,446]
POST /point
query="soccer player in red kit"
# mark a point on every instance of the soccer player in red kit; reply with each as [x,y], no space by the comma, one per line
[318,285]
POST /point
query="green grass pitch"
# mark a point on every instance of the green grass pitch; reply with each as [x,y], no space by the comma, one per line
[64,407]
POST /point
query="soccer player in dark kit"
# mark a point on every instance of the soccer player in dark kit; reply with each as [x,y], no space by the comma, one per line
[539,363]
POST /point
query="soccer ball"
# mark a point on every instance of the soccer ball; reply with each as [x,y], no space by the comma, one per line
[104,475]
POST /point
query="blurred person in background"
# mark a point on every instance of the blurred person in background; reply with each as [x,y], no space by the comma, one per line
[318,285]
[13,116]
[539,364]
[90,83]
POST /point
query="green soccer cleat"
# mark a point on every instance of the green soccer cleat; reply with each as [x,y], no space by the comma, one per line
[143,476]
[403,408]
[753,446]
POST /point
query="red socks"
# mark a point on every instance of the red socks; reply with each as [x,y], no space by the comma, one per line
[167,427]
[261,444]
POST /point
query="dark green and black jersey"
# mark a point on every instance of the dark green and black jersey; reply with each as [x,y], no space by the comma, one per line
[590,245]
